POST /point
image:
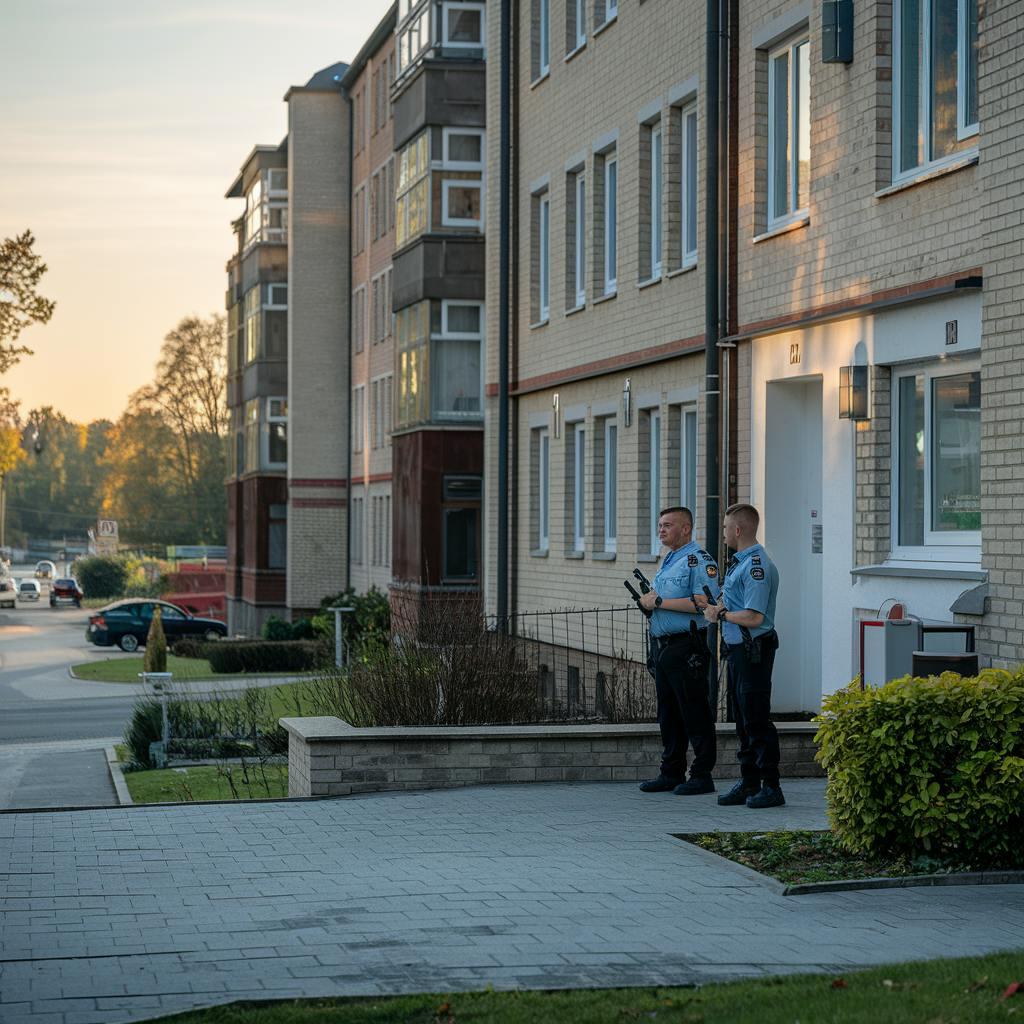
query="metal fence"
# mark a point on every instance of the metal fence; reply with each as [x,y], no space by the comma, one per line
[589,663]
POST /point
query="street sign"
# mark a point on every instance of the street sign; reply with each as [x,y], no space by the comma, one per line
[106,528]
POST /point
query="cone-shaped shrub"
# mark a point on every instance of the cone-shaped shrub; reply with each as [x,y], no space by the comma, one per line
[156,646]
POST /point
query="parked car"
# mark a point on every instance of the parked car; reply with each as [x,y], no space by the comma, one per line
[45,570]
[66,589]
[126,623]
[29,590]
[8,593]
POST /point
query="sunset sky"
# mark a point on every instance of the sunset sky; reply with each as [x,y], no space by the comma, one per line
[123,123]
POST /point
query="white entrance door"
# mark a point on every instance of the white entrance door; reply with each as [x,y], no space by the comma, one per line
[795,535]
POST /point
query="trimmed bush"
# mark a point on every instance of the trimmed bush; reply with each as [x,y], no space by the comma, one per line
[275,628]
[262,655]
[101,577]
[156,645]
[190,647]
[929,767]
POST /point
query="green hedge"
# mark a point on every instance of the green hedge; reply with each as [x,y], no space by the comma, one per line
[929,767]
[263,655]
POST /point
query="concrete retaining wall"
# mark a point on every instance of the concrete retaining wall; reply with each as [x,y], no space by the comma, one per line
[328,757]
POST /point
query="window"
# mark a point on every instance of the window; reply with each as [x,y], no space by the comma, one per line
[357,527]
[461,527]
[575,30]
[266,220]
[650,204]
[688,456]
[358,417]
[277,432]
[935,94]
[789,131]
[611,483]
[277,181]
[380,414]
[381,306]
[277,537]
[605,11]
[359,318]
[653,459]
[577,462]
[541,258]
[688,185]
[463,149]
[938,458]
[576,232]
[252,435]
[457,385]
[462,26]
[412,202]
[253,322]
[460,204]
[412,330]
[277,296]
[541,499]
[610,233]
[359,211]
[541,38]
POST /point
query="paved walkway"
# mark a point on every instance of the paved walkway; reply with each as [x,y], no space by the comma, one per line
[122,915]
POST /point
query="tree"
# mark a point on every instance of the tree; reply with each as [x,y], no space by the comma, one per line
[20,304]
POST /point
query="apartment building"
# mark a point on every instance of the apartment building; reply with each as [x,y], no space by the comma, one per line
[368,82]
[287,387]
[608,294]
[437,285]
[869,314]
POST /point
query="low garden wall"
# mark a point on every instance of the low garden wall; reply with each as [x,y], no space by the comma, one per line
[329,757]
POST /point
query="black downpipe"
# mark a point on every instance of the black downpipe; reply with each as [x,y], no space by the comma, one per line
[515,226]
[712,303]
[348,291]
[504,249]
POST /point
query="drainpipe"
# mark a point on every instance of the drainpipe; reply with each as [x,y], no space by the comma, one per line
[504,207]
[348,386]
[712,299]
[514,326]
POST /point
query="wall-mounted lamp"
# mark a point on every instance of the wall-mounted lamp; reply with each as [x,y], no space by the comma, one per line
[627,409]
[554,408]
[853,393]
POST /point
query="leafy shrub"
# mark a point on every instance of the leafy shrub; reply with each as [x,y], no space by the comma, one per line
[302,629]
[929,767]
[144,727]
[262,655]
[102,577]
[369,623]
[156,645]
[190,647]
[276,628]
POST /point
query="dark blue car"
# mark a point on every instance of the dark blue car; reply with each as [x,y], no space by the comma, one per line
[126,623]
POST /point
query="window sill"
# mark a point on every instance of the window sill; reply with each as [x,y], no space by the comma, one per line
[684,269]
[575,309]
[930,174]
[572,53]
[648,559]
[540,553]
[611,21]
[605,298]
[920,572]
[539,323]
[603,556]
[648,282]
[543,77]
[574,554]
[784,229]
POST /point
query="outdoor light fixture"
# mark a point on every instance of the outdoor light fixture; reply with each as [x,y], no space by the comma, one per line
[554,407]
[853,393]
[626,408]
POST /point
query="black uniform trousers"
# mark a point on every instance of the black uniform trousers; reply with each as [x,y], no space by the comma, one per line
[750,687]
[684,712]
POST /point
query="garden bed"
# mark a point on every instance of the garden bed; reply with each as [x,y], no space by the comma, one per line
[224,781]
[127,669]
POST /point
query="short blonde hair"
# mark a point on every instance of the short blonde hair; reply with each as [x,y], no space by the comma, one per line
[746,517]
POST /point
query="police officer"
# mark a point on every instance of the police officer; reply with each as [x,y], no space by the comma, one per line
[747,617]
[681,655]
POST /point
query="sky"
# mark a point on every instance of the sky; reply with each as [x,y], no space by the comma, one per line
[123,123]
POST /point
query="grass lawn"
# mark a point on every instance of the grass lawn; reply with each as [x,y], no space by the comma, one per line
[966,991]
[798,857]
[126,670]
[209,782]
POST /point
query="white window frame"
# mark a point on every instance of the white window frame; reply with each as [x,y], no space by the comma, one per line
[686,499]
[544,489]
[358,417]
[462,165]
[449,335]
[272,301]
[447,43]
[795,212]
[579,34]
[964,131]
[965,546]
[611,223]
[280,191]
[579,490]
[688,156]
[580,241]
[544,38]
[654,475]
[611,10]
[272,417]
[657,186]
[460,222]
[544,261]
[611,483]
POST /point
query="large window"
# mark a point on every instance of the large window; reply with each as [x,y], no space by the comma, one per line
[540,261]
[456,383]
[460,510]
[575,25]
[412,328]
[938,458]
[277,432]
[688,185]
[266,208]
[412,199]
[253,320]
[576,237]
[789,131]
[935,94]
[543,438]
[413,33]
[277,537]
[578,483]
[357,528]
[358,417]
[611,214]
[462,26]
[611,483]
[653,479]
[652,183]
[541,38]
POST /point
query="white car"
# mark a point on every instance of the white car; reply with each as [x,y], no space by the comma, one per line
[29,590]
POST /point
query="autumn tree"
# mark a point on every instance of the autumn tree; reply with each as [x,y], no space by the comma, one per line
[21,305]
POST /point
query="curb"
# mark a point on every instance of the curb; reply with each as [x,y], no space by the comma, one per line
[908,881]
[124,798]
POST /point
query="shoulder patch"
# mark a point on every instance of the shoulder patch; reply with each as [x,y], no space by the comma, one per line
[691,560]
[711,571]
[757,573]
[755,559]
[707,557]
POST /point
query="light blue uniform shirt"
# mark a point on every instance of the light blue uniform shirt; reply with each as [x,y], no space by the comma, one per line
[683,573]
[751,582]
